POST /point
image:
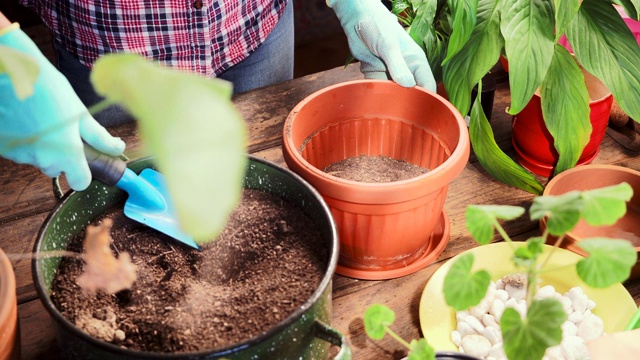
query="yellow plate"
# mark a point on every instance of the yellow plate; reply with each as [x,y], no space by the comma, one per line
[614,304]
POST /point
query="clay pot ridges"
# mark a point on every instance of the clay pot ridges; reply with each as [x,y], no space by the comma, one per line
[9,334]
[593,176]
[382,226]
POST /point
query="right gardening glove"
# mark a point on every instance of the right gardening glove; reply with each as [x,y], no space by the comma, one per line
[381,44]
[46,129]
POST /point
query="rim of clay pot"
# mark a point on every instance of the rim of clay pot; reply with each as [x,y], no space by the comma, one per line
[8,303]
[571,238]
[381,192]
[227,350]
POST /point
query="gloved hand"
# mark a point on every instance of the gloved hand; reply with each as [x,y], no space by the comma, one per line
[381,44]
[47,128]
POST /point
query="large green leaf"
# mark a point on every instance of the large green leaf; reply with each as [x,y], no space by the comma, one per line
[565,108]
[604,206]
[191,126]
[421,350]
[609,261]
[605,47]
[565,11]
[541,329]
[476,58]
[493,159]
[631,7]
[563,211]
[528,30]
[481,219]
[377,318]
[21,69]
[463,13]
[462,288]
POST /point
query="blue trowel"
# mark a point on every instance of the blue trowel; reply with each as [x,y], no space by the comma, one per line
[148,202]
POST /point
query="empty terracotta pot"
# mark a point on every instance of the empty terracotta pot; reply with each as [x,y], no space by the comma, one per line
[533,143]
[592,177]
[385,229]
[9,331]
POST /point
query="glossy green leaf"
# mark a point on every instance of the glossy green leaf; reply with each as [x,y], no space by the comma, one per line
[22,70]
[565,108]
[604,206]
[481,219]
[463,13]
[565,11]
[528,30]
[377,318]
[462,288]
[631,8]
[190,125]
[476,58]
[606,48]
[609,261]
[563,211]
[541,329]
[493,159]
[421,350]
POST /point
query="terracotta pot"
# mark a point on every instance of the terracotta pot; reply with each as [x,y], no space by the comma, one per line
[385,229]
[305,334]
[533,143]
[9,329]
[596,176]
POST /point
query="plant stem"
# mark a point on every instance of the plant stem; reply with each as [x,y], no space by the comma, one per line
[504,234]
[398,338]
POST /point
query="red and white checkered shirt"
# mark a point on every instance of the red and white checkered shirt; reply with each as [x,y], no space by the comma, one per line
[202,36]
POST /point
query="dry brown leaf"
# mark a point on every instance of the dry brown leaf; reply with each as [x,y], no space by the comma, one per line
[102,270]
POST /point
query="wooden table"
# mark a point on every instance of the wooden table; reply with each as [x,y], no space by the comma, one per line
[26,198]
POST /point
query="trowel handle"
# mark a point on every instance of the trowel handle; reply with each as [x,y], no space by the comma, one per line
[105,168]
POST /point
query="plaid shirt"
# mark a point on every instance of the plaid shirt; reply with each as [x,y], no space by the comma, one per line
[202,36]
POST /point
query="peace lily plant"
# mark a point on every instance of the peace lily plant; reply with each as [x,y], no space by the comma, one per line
[609,261]
[186,121]
[463,40]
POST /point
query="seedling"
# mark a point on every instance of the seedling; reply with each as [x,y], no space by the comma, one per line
[609,261]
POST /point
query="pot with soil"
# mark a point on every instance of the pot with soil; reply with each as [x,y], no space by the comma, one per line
[387,228]
[241,297]
[9,330]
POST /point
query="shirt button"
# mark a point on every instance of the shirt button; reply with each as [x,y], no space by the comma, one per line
[197,4]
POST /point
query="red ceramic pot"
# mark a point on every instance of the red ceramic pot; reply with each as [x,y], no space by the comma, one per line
[534,144]
[386,229]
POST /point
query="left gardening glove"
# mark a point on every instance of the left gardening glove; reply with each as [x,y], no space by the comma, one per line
[47,128]
[381,44]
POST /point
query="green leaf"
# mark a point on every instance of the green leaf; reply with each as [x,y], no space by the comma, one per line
[479,54]
[604,206]
[528,30]
[462,288]
[565,11]
[565,108]
[22,69]
[525,256]
[463,13]
[377,318]
[481,219]
[563,211]
[493,159]
[421,350]
[606,48]
[191,126]
[631,8]
[609,261]
[529,339]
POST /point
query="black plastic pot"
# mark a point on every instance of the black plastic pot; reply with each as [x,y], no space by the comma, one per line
[449,355]
[305,334]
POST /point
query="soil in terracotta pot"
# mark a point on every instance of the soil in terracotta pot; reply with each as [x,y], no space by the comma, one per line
[374,169]
[264,266]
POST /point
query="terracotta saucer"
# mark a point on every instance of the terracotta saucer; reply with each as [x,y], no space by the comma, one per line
[437,242]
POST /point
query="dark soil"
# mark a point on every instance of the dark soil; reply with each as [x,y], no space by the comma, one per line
[374,169]
[264,266]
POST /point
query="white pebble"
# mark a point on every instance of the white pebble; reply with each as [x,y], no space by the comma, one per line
[502,295]
[521,307]
[591,304]
[554,353]
[456,337]
[546,292]
[500,284]
[497,352]
[591,327]
[492,334]
[474,323]
[489,320]
[569,329]
[574,348]
[476,345]
[482,308]
[516,292]
[575,317]
[497,308]
[460,315]
[566,304]
[465,329]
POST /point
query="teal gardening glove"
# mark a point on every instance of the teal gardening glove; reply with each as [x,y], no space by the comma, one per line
[47,128]
[381,44]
